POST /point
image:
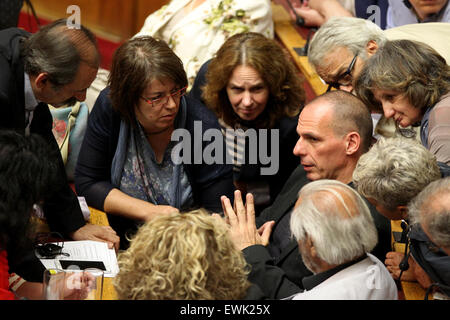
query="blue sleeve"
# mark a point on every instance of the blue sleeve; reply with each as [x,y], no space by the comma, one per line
[93,170]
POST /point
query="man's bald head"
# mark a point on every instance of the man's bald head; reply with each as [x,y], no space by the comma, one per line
[348,114]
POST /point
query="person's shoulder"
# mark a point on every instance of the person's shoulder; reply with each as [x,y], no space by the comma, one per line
[197,111]
[9,50]
[294,183]
[104,93]
[287,127]
[103,107]
[288,123]
[9,39]
[103,100]
[440,112]
[10,33]
[444,101]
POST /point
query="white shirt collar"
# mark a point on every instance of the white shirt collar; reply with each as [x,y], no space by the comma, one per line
[30,100]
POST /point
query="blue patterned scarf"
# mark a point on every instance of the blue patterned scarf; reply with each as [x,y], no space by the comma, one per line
[136,172]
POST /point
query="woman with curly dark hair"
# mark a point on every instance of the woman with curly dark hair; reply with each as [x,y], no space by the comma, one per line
[28,171]
[252,84]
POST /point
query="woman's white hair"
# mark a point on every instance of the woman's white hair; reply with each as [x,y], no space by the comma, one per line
[348,32]
[337,220]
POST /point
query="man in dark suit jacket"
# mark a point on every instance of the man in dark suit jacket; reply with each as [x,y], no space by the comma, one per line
[53,66]
[335,129]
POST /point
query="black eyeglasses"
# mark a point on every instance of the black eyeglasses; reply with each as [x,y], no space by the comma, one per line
[349,70]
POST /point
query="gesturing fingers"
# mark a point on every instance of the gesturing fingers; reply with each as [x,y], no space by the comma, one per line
[228,211]
[241,217]
[240,209]
[250,209]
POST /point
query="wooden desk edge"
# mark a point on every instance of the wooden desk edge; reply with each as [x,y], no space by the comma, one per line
[292,39]
[100,218]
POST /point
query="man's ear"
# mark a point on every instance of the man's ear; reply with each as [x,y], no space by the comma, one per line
[310,246]
[371,47]
[313,251]
[42,80]
[352,143]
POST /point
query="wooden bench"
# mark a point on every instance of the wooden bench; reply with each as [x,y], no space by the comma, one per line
[100,218]
[291,39]
[411,290]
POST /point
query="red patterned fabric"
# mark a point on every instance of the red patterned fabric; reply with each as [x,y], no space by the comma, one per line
[5,294]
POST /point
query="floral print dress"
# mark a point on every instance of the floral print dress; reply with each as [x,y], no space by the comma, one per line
[197,36]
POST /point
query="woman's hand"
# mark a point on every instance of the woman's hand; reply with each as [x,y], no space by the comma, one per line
[154,211]
[119,203]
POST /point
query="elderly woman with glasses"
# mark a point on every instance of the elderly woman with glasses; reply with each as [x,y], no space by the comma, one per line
[130,166]
[410,82]
[253,87]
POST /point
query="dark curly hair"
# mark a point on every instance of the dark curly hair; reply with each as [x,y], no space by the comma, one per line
[287,95]
[28,171]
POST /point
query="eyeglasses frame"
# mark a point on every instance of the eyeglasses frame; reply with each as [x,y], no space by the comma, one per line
[181,91]
[349,70]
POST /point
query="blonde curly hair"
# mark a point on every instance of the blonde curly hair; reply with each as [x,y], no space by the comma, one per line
[185,256]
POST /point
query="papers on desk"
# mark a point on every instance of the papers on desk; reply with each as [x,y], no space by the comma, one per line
[82,253]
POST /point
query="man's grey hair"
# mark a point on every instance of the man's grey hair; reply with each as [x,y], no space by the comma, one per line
[431,209]
[394,171]
[58,50]
[337,220]
[348,32]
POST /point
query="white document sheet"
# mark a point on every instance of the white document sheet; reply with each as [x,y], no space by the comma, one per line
[86,250]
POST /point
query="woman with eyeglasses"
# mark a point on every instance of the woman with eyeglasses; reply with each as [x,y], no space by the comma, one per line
[128,164]
[410,82]
[252,86]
